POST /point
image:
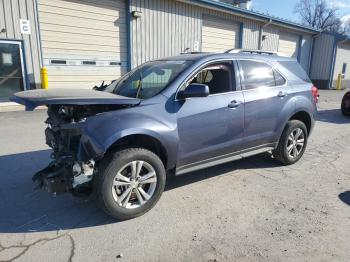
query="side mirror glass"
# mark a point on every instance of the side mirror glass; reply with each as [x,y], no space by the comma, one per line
[195,90]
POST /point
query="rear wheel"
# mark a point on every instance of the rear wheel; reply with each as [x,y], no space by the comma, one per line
[130,183]
[292,144]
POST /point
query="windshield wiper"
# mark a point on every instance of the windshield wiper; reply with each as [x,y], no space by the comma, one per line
[102,87]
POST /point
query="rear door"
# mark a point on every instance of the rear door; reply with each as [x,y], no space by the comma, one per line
[265,93]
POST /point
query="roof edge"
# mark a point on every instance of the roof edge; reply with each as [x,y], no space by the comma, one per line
[255,15]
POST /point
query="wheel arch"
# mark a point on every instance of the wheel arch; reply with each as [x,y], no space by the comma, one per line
[142,140]
[304,117]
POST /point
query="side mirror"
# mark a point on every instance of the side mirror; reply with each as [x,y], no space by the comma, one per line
[195,90]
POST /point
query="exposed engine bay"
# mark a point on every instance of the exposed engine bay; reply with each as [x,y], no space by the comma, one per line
[69,171]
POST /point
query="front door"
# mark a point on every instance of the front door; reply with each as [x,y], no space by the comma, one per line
[211,127]
[11,69]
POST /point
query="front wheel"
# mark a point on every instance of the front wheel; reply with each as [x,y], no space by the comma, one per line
[292,144]
[130,183]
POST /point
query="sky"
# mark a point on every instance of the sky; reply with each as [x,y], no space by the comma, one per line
[285,8]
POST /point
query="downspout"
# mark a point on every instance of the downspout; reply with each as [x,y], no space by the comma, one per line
[128,35]
[261,33]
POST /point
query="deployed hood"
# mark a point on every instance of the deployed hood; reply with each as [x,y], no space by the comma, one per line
[34,98]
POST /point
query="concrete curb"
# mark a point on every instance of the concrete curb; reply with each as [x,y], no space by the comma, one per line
[16,107]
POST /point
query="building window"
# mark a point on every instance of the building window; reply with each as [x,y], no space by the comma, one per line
[344,68]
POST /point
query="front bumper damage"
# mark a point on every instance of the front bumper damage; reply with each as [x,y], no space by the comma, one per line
[74,161]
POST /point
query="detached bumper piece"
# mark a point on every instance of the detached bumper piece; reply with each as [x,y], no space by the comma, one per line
[54,178]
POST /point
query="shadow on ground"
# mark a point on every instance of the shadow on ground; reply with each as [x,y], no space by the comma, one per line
[24,209]
[333,116]
[345,197]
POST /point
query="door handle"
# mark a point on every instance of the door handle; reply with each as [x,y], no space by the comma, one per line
[234,104]
[282,94]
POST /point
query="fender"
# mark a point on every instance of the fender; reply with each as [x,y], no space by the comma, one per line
[106,129]
[301,104]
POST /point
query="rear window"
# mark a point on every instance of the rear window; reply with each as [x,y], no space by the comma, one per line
[294,71]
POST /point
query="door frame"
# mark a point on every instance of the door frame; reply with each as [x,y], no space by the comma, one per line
[23,60]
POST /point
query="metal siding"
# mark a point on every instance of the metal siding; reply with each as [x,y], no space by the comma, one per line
[305,55]
[343,56]
[219,35]
[83,30]
[251,33]
[288,44]
[11,11]
[271,42]
[322,57]
[165,28]
[169,27]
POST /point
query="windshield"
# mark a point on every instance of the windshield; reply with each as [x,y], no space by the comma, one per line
[148,79]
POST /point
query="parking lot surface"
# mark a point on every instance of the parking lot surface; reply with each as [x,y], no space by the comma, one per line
[249,210]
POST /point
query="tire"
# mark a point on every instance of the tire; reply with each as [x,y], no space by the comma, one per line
[346,112]
[111,188]
[282,153]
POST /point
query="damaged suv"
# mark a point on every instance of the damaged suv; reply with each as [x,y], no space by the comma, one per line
[171,116]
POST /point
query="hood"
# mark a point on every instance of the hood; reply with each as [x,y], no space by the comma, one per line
[34,98]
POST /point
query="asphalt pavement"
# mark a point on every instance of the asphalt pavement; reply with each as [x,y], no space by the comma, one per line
[249,210]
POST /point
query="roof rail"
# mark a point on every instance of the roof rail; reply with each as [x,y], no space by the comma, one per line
[253,52]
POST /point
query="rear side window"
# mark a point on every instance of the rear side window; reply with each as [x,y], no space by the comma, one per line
[294,71]
[257,74]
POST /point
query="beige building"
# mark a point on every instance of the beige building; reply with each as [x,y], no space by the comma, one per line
[85,42]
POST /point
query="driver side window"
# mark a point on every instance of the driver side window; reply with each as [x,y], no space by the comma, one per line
[218,77]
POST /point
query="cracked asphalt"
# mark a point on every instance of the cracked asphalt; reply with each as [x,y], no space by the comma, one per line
[248,210]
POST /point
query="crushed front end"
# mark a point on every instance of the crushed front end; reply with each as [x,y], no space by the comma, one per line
[74,154]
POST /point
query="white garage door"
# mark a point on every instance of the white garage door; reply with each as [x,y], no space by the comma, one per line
[219,35]
[288,44]
[84,41]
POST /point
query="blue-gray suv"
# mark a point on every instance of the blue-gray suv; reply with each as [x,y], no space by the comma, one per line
[119,142]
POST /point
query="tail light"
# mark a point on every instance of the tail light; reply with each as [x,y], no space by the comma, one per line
[315,94]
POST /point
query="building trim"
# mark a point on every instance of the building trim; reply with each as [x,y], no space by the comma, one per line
[241,35]
[311,56]
[24,68]
[332,66]
[129,35]
[251,14]
[39,34]
[300,46]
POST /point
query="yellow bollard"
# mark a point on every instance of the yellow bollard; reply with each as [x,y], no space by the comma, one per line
[340,77]
[44,78]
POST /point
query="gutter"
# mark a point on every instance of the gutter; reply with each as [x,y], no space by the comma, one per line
[249,14]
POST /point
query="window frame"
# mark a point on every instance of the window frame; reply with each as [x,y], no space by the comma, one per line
[274,69]
[234,73]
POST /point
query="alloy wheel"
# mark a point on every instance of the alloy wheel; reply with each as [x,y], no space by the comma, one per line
[134,184]
[296,142]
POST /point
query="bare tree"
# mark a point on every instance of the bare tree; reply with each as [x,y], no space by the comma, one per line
[319,14]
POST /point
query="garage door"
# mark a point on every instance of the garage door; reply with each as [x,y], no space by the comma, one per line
[288,44]
[219,35]
[84,41]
